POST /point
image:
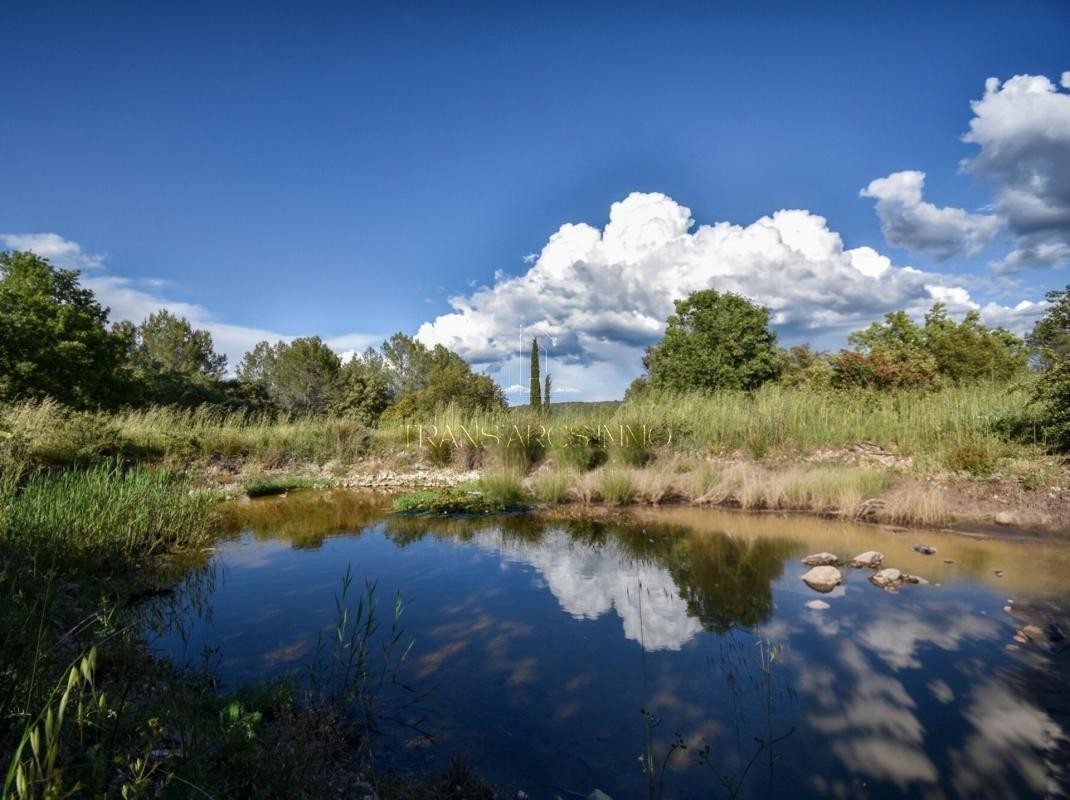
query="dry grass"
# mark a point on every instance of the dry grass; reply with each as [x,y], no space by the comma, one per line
[915,504]
[551,486]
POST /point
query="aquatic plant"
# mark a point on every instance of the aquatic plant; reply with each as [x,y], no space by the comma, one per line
[267,485]
[103,516]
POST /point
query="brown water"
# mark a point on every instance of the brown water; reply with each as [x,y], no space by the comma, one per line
[558,654]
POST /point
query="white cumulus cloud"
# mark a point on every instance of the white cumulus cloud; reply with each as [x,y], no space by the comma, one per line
[1022,127]
[909,221]
[604,294]
[54,247]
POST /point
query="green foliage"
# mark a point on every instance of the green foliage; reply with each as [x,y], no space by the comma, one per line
[53,339]
[970,351]
[534,384]
[801,366]
[1053,390]
[714,341]
[503,488]
[440,451]
[47,434]
[424,380]
[546,395]
[453,500]
[266,486]
[172,362]
[616,487]
[552,486]
[899,353]
[301,377]
[103,517]
[1050,337]
[971,454]
[363,391]
[880,371]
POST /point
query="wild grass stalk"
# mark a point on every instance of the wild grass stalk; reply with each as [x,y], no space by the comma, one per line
[103,516]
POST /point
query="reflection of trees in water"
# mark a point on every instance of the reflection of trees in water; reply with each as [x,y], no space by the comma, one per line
[726,582]
[304,519]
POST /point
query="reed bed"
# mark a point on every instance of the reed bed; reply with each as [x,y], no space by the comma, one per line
[100,517]
[770,419]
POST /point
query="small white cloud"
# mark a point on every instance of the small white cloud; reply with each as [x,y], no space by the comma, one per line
[909,221]
[127,300]
[61,252]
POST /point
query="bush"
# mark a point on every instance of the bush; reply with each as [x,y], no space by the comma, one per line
[616,487]
[48,434]
[973,455]
[502,489]
[551,487]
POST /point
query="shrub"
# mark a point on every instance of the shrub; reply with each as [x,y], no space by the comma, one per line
[581,453]
[616,487]
[973,455]
[551,487]
[502,489]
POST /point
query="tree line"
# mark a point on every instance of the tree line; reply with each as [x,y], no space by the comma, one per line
[718,341]
[55,342]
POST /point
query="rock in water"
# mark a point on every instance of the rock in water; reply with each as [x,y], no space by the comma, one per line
[821,560]
[924,549]
[598,794]
[818,605]
[870,559]
[823,579]
[887,578]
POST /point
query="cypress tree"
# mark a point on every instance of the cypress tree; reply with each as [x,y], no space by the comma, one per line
[536,384]
[546,393]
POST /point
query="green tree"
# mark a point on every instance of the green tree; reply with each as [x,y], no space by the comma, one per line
[802,366]
[547,386]
[714,341]
[1049,340]
[166,343]
[54,340]
[971,351]
[535,384]
[256,365]
[407,363]
[887,355]
[364,389]
[423,379]
[173,362]
[1053,389]
[300,377]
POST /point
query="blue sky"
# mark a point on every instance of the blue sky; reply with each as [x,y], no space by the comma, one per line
[344,169]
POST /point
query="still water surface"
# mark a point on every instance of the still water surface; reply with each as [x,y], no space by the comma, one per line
[554,650]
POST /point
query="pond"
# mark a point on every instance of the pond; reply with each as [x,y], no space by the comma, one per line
[563,654]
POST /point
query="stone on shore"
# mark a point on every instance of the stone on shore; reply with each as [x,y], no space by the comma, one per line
[887,578]
[821,560]
[871,559]
[823,579]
